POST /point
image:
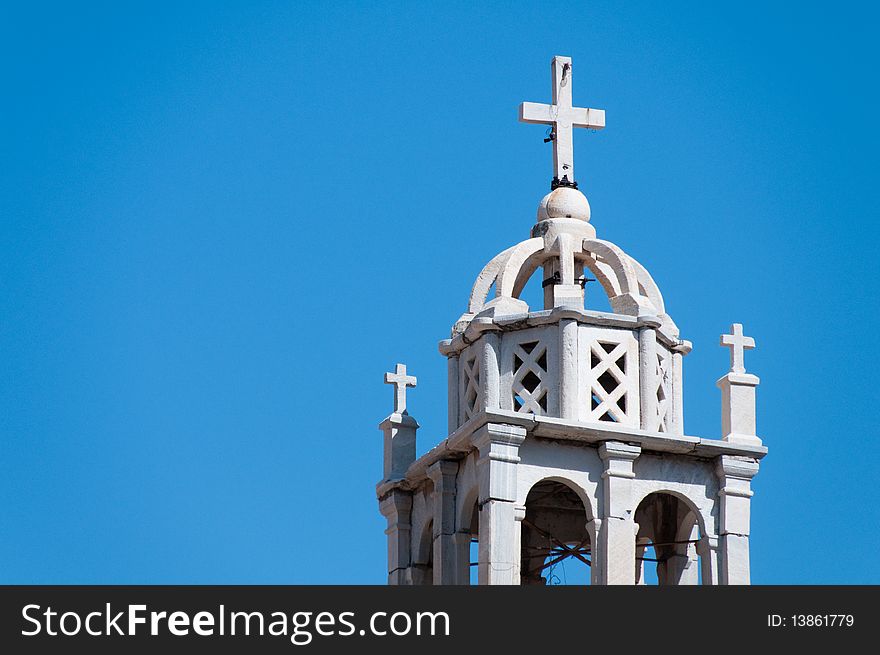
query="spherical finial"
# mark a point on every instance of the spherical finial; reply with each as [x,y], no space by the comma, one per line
[564,202]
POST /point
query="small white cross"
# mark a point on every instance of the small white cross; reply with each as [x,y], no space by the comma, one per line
[563,117]
[737,344]
[401,381]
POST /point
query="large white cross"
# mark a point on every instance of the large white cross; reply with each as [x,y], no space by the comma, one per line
[401,381]
[737,344]
[563,117]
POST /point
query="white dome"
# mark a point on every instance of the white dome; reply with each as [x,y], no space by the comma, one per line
[564,202]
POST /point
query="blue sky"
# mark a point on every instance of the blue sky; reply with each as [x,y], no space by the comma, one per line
[222,222]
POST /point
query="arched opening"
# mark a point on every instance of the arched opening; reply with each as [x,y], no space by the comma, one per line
[533,293]
[534,286]
[556,545]
[595,293]
[467,540]
[423,562]
[473,545]
[666,543]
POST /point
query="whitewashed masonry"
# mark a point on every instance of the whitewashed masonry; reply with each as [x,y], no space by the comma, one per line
[566,432]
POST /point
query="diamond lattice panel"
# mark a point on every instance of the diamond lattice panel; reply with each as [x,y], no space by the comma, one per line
[470,387]
[528,375]
[664,390]
[609,376]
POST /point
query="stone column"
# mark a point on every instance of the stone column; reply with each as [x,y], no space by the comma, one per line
[708,548]
[641,546]
[551,268]
[678,353]
[453,393]
[519,513]
[400,444]
[568,369]
[567,292]
[648,381]
[594,529]
[498,445]
[617,538]
[735,476]
[396,507]
[684,565]
[490,373]
[462,544]
[443,474]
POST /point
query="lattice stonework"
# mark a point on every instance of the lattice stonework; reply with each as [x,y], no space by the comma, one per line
[471,389]
[609,376]
[664,390]
[528,372]
[528,389]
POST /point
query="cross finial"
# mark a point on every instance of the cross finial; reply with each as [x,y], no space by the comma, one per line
[562,117]
[737,344]
[401,381]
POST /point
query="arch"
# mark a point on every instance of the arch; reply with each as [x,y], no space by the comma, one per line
[522,252]
[604,274]
[618,261]
[703,519]
[571,484]
[670,524]
[466,508]
[556,527]
[484,281]
[528,269]
[647,286]
[620,275]
[467,529]
[423,556]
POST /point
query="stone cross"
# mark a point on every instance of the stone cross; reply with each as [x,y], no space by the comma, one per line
[737,344]
[401,381]
[563,117]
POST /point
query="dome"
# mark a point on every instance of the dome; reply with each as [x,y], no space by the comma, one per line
[564,202]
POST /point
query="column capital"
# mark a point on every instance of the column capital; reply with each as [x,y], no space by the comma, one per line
[618,458]
[487,438]
[441,473]
[619,450]
[397,502]
[707,543]
[737,467]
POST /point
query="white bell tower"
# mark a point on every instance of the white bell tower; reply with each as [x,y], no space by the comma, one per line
[566,433]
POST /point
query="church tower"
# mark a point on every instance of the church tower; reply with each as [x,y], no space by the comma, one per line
[566,433]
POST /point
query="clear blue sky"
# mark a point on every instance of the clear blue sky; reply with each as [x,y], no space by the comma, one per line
[222,222]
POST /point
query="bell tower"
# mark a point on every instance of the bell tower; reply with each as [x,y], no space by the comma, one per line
[565,427]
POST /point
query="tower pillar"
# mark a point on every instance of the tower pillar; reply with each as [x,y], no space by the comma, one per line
[443,474]
[396,507]
[735,496]
[617,535]
[498,447]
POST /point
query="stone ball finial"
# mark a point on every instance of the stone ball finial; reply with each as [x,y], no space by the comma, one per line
[564,202]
